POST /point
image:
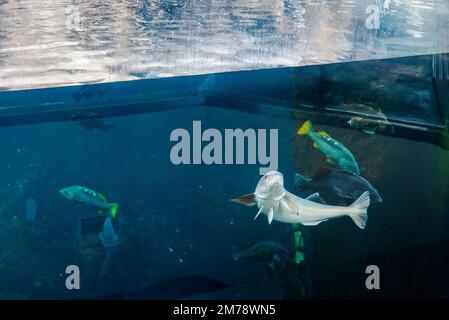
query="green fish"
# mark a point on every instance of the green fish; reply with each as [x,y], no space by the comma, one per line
[336,153]
[89,197]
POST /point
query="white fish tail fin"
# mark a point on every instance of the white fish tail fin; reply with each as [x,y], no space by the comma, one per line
[359,207]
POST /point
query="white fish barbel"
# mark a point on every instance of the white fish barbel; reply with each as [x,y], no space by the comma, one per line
[280,205]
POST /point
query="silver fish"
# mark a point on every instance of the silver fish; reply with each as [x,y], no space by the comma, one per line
[278,204]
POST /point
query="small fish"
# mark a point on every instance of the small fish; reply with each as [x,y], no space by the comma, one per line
[366,118]
[336,153]
[344,184]
[371,126]
[108,236]
[89,197]
[91,121]
[31,210]
[278,204]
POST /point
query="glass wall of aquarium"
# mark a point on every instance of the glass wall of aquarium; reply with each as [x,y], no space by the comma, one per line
[224,149]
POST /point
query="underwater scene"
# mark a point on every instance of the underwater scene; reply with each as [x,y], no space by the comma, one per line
[288,183]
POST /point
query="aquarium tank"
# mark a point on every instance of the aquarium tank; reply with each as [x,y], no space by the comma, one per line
[224,149]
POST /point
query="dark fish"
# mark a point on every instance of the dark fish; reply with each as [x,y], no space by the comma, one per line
[177,288]
[270,252]
[91,121]
[330,183]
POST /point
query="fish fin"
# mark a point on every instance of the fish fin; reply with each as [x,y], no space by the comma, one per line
[102,197]
[324,134]
[330,160]
[247,200]
[369,131]
[300,180]
[315,145]
[100,211]
[341,194]
[305,128]
[315,197]
[313,223]
[271,265]
[359,208]
[259,212]
[291,204]
[270,215]
[114,207]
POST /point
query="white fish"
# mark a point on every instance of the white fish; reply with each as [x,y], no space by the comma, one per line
[278,204]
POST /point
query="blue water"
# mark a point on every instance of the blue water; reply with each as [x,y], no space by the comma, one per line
[176,221]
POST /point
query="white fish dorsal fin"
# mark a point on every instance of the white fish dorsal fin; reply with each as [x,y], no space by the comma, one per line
[258,213]
[270,215]
[314,197]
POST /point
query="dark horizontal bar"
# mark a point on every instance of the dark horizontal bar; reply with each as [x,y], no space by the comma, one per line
[403,129]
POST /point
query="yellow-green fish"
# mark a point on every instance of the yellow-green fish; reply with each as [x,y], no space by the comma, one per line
[336,153]
[90,197]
